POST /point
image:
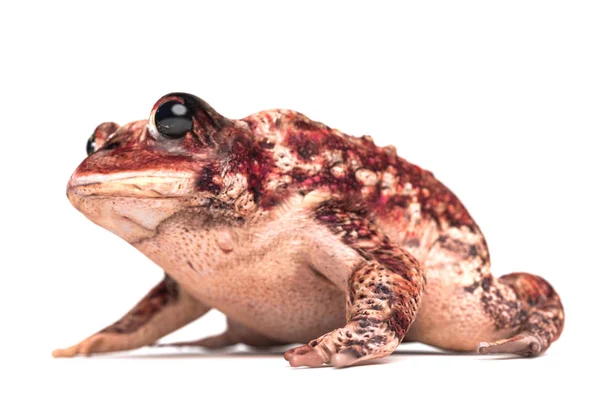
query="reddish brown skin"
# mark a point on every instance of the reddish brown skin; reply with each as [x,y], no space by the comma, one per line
[163,294]
[252,157]
[436,200]
[369,194]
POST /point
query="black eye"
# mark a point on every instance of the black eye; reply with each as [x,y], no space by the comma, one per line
[173,119]
[91,144]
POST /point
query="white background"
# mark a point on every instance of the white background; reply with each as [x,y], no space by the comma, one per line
[500,100]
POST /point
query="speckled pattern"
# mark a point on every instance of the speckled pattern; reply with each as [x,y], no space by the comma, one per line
[382,297]
[300,233]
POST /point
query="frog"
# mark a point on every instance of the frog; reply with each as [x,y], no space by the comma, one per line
[302,236]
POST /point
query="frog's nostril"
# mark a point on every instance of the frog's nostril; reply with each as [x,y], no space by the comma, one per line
[101,135]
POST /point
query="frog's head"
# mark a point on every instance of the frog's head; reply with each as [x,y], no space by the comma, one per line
[140,174]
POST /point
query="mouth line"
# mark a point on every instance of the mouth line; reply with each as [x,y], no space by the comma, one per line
[132,185]
[121,196]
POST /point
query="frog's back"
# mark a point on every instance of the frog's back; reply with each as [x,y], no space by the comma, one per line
[408,202]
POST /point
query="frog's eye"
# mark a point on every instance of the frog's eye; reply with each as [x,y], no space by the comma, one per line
[176,114]
[173,119]
[91,144]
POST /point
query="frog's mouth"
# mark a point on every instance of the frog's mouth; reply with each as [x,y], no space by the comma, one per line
[131,184]
[131,204]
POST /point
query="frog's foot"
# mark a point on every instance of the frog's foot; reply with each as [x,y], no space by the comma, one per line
[356,342]
[525,345]
[542,317]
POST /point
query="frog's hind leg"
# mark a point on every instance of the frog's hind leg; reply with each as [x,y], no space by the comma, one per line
[235,333]
[466,309]
[540,319]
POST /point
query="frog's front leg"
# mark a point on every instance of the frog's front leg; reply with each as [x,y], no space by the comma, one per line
[166,308]
[383,289]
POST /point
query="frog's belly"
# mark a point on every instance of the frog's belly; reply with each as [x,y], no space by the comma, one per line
[258,275]
[289,303]
[275,293]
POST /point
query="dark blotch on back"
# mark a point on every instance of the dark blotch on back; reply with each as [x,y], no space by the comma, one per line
[306,145]
[471,288]
[486,283]
[206,180]
[381,288]
[473,250]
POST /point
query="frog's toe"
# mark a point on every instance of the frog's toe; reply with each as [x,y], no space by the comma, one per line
[68,352]
[526,345]
[309,359]
[84,348]
[304,356]
[295,351]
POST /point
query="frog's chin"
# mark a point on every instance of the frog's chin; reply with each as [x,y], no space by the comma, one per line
[131,205]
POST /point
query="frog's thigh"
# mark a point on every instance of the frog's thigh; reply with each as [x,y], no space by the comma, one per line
[465,308]
[452,315]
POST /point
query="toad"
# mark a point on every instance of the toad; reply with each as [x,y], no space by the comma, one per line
[298,233]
